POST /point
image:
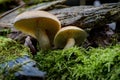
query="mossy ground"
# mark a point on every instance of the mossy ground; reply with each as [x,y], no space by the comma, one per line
[10,50]
[76,63]
[80,64]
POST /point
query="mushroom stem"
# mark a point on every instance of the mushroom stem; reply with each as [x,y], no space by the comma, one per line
[70,43]
[43,39]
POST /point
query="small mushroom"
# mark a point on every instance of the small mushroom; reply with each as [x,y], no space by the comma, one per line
[68,36]
[39,24]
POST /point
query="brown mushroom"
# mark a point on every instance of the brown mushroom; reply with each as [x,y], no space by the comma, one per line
[39,24]
[68,36]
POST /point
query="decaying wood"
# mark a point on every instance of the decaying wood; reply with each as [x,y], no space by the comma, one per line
[87,16]
[82,16]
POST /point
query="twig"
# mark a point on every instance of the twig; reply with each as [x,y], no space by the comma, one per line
[7,12]
[47,6]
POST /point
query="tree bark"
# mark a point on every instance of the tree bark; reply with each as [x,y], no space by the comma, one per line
[81,16]
[88,16]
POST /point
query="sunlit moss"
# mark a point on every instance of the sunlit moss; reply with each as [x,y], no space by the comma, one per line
[75,63]
[3,1]
[10,50]
[80,64]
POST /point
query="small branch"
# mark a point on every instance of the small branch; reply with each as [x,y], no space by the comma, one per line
[47,5]
[8,12]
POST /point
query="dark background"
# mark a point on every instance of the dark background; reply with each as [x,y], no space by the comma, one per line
[88,2]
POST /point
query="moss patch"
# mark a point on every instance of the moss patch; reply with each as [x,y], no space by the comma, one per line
[10,50]
[78,64]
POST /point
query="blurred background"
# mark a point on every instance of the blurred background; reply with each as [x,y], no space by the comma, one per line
[10,4]
[88,2]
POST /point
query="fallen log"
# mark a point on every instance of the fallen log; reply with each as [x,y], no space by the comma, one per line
[81,16]
[88,16]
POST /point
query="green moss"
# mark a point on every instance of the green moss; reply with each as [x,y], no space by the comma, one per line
[78,64]
[10,50]
[3,1]
[5,32]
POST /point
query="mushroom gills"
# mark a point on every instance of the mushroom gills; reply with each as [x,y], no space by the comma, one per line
[36,23]
[69,36]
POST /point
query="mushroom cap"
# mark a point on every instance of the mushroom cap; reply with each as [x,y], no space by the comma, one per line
[28,22]
[65,33]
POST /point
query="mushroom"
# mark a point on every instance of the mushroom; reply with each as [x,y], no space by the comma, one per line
[68,36]
[39,24]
